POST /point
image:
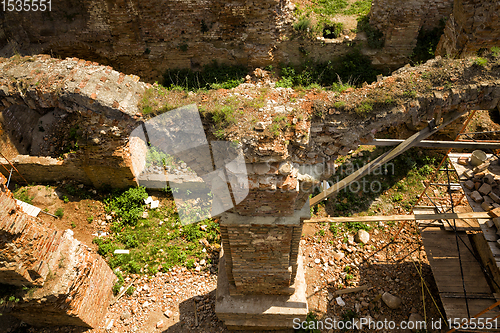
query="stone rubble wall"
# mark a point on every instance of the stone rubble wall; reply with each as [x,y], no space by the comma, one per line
[70,285]
[474,25]
[401,21]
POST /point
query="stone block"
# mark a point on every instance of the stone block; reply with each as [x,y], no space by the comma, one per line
[494,212]
[485,189]
[494,197]
[469,184]
[476,196]
[486,206]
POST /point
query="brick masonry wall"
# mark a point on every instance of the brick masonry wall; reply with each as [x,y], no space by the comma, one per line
[401,21]
[104,102]
[474,25]
[148,36]
[262,252]
[73,285]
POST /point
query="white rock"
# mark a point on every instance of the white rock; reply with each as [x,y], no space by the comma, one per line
[391,301]
[362,236]
[338,255]
[340,301]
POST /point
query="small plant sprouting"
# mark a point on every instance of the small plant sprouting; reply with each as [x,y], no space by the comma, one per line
[59,212]
[481,62]
[495,50]
[302,25]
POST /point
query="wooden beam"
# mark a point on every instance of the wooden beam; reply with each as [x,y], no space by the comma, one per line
[438,144]
[381,160]
[351,290]
[410,217]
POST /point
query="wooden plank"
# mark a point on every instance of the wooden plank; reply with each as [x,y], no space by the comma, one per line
[449,224]
[441,249]
[28,209]
[409,217]
[351,290]
[438,144]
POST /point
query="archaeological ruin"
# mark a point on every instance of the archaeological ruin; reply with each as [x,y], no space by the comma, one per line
[84,69]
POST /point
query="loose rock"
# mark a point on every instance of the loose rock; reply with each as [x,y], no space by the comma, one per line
[391,301]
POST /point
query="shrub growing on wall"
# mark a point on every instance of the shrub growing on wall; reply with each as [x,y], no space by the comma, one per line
[212,76]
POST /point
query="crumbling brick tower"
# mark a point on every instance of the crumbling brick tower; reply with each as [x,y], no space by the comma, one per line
[261,280]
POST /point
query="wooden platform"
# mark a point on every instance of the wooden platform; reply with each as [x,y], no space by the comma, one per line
[441,248]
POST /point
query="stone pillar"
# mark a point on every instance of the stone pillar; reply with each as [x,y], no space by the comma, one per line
[261,282]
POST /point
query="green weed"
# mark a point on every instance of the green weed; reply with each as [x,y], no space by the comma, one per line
[364,107]
[330,7]
[375,37]
[495,51]
[302,25]
[480,62]
[22,194]
[59,212]
[360,7]
[212,76]
[128,206]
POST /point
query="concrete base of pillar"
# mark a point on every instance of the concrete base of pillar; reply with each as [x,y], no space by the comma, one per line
[260,312]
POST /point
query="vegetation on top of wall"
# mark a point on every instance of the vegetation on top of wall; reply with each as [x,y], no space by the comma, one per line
[375,37]
[360,7]
[320,18]
[354,68]
[212,76]
[427,42]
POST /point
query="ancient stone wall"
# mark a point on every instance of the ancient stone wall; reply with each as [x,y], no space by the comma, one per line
[401,21]
[147,37]
[278,167]
[72,286]
[474,25]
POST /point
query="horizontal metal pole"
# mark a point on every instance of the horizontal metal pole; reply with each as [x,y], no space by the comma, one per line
[438,144]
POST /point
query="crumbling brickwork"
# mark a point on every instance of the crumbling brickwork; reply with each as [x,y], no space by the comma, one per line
[400,22]
[73,285]
[102,102]
[474,25]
